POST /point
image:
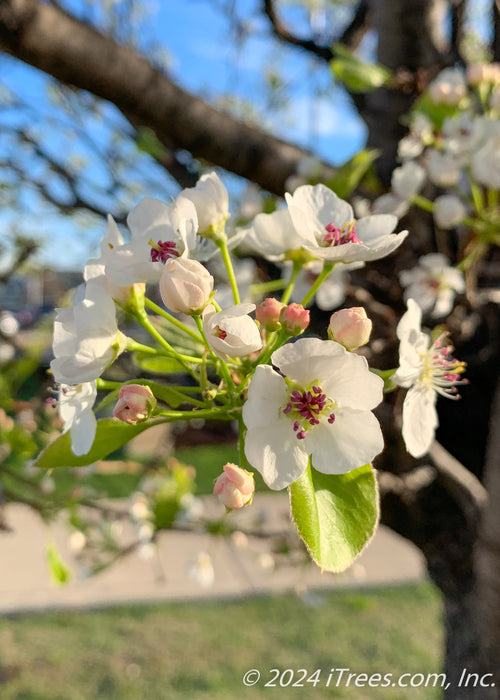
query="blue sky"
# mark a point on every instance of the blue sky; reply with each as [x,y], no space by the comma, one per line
[204,58]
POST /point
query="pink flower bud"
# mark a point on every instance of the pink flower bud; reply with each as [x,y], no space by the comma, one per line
[135,403]
[235,486]
[350,327]
[185,286]
[294,319]
[268,313]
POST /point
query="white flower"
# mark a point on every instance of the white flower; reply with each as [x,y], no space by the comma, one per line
[111,241]
[159,232]
[251,202]
[329,221]
[449,87]
[433,284]
[449,211]
[411,146]
[407,180]
[231,332]
[75,409]
[391,204]
[274,237]
[319,405]
[211,201]
[86,337]
[185,286]
[443,168]
[485,164]
[428,369]
[331,294]
[459,135]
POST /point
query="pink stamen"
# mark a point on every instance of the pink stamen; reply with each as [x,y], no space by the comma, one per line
[340,236]
[164,251]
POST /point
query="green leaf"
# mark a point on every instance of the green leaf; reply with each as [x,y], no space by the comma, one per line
[356,75]
[436,112]
[111,434]
[59,572]
[157,364]
[335,514]
[349,175]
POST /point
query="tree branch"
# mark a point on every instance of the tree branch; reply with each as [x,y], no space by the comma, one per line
[77,54]
[323,52]
[496,30]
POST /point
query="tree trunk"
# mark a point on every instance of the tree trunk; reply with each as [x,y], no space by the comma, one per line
[488,550]
[409,41]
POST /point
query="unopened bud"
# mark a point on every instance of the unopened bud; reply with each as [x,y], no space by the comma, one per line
[268,314]
[294,319]
[350,327]
[135,403]
[185,286]
[235,486]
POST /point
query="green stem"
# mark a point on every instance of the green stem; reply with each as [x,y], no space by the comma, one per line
[274,342]
[209,413]
[477,197]
[327,268]
[222,245]
[423,203]
[171,319]
[183,359]
[492,197]
[266,287]
[297,267]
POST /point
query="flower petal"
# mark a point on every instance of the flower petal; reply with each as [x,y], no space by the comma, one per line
[354,439]
[276,453]
[419,419]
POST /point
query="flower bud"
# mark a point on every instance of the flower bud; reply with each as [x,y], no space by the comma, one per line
[185,286]
[235,486]
[350,327]
[294,319]
[268,313]
[135,403]
[448,211]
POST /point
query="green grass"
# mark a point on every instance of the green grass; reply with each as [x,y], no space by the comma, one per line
[200,651]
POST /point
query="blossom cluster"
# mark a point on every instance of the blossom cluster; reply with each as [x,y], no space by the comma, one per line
[300,401]
[452,156]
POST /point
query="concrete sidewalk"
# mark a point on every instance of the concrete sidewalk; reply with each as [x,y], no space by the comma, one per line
[186,565]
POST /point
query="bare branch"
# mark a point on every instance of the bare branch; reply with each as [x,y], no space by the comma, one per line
[496,30]
[358,26]
[75,53]
[323,52]
[458,8]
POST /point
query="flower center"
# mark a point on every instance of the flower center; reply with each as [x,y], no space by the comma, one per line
[163,251]
[305,407]
[339,236]
[442,372]
[219,333]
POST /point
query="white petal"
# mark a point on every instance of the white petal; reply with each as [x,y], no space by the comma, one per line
[352,384]
[308,359]
[419,419]
[369,228]
[83,432]
[354,439]
[276,453]
[412,319]
[267,395]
